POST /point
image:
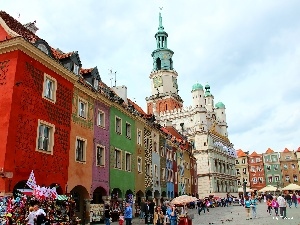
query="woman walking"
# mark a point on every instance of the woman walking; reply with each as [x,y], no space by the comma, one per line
[269,204]
[158,216]
[253,206]
[275,205]
[247,204]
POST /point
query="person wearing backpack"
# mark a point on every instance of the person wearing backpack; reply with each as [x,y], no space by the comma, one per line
[247,203]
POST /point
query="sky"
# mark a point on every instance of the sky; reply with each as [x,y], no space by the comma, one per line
[247,51]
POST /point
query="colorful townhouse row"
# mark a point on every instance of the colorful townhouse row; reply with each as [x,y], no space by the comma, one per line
[75,132]
[278,169]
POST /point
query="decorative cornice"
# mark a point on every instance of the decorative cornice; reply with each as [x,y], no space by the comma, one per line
[7,29]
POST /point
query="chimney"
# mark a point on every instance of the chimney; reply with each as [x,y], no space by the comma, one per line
[31,27]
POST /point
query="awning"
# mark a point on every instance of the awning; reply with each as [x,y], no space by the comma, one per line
[27,192]
[62,198]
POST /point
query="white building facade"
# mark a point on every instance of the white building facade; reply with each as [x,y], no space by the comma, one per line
[202,123]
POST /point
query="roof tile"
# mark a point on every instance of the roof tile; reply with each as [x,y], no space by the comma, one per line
[269,151]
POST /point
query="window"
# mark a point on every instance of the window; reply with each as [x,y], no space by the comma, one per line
[288,157]
[274,158]
[82,108]
[96,83]
[139,164]
[237,171]
[148,169]
[139,137]
[253,169]
[171,175]
[118,159]
[270,179]
[49,88]
[244,170]
[254,180]
[252,160]
[163,173]
[276,178]
[127,161]
[155,171]
[285,166]
[195,181]
[76,69]
[268,167]
[237,161]
[100,157]
[243,161]
[287,178]
[162,152]
[128,130]
[155,147]
[293,166]
[260,180]
[275,167]
[257,160]
[100,119]
[204,143]
[295,178]
[45,137]
[239,183]
[80,149]
[118,125]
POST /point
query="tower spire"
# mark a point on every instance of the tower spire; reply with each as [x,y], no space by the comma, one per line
[160,26]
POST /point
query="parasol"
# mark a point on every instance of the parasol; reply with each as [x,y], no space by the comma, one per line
[183,199]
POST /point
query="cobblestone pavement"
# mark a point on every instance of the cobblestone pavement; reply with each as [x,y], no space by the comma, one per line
[236,215]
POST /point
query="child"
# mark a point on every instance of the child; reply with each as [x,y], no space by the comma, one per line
[269,204]
[121,219]
[275,205]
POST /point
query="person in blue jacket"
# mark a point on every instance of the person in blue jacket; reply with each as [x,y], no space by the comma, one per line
[128,214]
[171,212]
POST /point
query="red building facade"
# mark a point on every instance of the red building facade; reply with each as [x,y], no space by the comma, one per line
[36,92]
[256,171]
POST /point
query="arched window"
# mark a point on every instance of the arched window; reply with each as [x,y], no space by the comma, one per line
[158,64]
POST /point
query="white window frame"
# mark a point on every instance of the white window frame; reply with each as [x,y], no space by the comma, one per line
[128,130]
[82,112]
[102,160]
[139,137]
[75,69]
[139,164]
[155,171]
[52,91]
[163,174]
[128,161]
[295,176]
[50,145]
[287,177]
[257,159]
[96,83]
[83,160]
[254,180]
[276,178]
[100,118]
[162,154]
[148,169]
[118,163]
[293,166]
[118,129]
[260,180]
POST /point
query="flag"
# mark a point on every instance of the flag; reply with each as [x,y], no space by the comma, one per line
[31,180]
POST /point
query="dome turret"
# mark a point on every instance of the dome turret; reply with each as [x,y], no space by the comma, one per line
[220,105]
[207,91]
[197,86]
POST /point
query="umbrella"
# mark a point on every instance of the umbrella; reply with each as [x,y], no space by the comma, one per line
[291,187]
[183,199]
[268,188]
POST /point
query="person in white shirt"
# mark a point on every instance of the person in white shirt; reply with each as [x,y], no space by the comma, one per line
[31,216]
[39,213]
[282,206]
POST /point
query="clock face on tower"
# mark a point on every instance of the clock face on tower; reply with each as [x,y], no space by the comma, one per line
[157,81]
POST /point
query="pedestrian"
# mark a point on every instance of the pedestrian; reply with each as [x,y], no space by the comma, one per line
[282,206]
[107,215]
[269,205]
[253,206]
[164,211]
[40,215]
[121,219]
[288,198]
[205,204]
[199,203]
[143,209]
[275,205]
[128,214]
[31,216]
[172,215]
[158,216]
[149,211]
[294,199]
[247,204]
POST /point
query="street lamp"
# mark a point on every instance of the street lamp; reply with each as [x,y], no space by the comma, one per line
[244,187]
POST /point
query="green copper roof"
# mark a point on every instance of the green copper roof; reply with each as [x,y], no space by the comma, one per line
[207,91]
[197,86]
[160,27]
[220,105]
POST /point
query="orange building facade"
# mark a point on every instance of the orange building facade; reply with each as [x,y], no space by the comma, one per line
[289,167]
[256,171]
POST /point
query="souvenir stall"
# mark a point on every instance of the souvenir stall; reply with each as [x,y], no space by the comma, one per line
[183,216]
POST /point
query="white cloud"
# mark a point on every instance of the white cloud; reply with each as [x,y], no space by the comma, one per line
[248,51]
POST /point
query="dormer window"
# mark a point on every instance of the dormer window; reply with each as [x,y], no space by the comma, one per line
[76,69]
[96,83]
[43,48]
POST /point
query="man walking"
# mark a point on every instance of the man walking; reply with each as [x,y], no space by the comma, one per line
[282,206]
